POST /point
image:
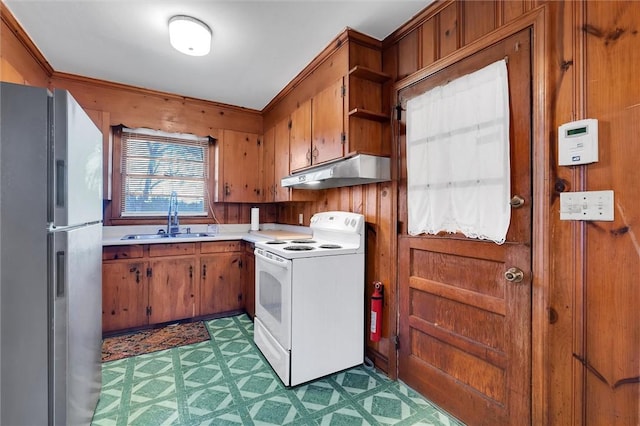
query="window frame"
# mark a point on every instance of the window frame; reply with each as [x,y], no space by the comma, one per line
[115,209]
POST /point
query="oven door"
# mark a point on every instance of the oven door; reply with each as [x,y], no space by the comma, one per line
[273,295]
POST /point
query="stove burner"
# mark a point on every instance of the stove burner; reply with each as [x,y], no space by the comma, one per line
[307,241]
[298,248]
[276,242]
[329,246]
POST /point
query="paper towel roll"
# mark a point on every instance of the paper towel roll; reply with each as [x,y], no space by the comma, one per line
[255,218]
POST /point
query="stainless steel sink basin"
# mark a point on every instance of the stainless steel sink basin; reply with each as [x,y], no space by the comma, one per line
[144,236]
[193,235]
[158,236]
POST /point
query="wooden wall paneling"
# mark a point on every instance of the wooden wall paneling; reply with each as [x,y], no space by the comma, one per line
[563,396]
[429,42]
[20,61]
[612,294]
[135,107]
[509,10]
[448,30]
[408,54]
[478,19]
[268,164]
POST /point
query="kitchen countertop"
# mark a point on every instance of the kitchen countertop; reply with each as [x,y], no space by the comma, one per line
[112,235]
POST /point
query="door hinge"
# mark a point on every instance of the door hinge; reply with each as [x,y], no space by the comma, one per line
[395,339]
[343,137]
[343,91]
[149,272]
[148,311]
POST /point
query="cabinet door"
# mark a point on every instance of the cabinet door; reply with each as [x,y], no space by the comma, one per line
[124,295]
[327,124]
[281,163]
[249,280]
[241,157]
[300,137]
[268,162]
[221,283]
[171,289]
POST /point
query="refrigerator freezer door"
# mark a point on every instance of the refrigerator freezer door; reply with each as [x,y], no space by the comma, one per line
[77,164]
[76,286]
[23,256]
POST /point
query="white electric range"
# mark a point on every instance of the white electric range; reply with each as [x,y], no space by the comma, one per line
[309,319]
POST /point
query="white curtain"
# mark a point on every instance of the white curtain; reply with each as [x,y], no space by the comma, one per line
[458,157]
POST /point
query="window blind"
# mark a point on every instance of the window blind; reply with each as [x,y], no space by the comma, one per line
[154,164]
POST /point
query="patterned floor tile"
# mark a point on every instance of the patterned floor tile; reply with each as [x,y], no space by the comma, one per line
[318,395]
[208,400]
[201,375]
[356,381]
[226,382]
[387,408]
[162,413]
[277,410]
[345,416]
[256,385]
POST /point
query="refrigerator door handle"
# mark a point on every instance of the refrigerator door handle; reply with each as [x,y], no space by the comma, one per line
[60,275]
[60,183]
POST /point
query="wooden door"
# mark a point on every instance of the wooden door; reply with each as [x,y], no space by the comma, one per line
[221,286]
[327,124]
[124,295]
[171,289]
[241,157]
[464,330]
[300,136]
[281,161]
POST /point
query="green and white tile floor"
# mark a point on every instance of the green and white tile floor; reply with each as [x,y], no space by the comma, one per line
[226,381]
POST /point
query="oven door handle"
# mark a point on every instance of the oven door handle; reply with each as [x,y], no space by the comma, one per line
[283,265]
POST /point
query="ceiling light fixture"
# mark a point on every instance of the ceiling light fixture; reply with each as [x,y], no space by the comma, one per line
[189,35]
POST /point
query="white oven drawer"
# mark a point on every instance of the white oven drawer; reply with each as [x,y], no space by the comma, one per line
[278,357]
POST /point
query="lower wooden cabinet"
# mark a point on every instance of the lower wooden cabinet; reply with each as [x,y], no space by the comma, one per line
[249,279]
[221,284]
[124,295]
[143,285]
[171,289]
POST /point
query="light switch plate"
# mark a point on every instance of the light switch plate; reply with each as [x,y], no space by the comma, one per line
[588,205]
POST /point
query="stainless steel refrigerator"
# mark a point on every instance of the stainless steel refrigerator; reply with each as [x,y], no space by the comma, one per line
[50,258]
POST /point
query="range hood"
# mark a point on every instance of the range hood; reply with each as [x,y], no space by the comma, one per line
[359,169]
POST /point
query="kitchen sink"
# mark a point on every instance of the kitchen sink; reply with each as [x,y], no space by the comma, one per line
[158,236]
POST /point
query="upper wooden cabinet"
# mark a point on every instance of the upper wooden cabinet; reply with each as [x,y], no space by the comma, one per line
[240,155]
[337,106]
[290,133]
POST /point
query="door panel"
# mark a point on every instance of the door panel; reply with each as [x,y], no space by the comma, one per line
[327,124]
[465,331]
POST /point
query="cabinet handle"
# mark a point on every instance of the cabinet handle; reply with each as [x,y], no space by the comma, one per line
[227,189]
[204,271]
[137,276]
[308,156]
[315,152]
[190,271]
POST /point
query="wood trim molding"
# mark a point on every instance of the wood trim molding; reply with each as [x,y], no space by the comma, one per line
[537,20]
[15,27]
[141,91]
[349,34]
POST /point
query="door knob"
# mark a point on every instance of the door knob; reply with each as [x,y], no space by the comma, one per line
[516,201]
[514,275]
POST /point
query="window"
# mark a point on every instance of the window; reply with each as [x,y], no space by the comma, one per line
[154,164]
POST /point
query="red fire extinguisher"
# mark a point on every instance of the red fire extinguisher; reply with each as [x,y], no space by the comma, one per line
[376,312]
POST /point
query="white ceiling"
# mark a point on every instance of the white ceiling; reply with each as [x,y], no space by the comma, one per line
[258,46]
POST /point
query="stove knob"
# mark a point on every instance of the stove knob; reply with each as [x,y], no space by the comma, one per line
[353,222]
[346,221]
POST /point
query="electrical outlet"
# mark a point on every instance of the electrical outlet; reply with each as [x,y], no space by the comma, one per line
[301,219]
[588,205]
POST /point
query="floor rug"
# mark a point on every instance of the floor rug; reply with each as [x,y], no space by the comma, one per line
[148,341]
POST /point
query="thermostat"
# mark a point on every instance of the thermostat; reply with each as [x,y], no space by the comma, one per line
[578,142]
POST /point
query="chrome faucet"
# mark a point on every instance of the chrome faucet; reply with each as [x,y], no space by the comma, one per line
[173,224]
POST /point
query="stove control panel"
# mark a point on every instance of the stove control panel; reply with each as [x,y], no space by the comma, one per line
[338,221]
